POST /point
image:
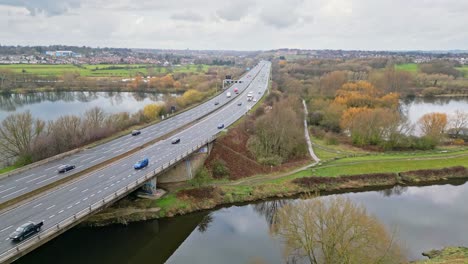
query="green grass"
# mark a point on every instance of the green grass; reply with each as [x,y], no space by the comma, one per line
[9,168]
[382,163]
[388,166]
[464,70]
[100,70]
[411,67]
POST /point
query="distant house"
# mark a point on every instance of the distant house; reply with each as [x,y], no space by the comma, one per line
[63,53]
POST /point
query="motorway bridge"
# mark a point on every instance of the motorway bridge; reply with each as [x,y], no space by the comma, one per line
[100,185]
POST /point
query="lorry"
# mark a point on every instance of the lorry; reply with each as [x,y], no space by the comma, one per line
[249,96]
[228,94]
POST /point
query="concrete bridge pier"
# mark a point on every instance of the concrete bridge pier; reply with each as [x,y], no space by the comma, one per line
[185,170]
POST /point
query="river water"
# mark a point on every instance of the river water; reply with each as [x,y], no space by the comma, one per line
[51,105]
[423,218]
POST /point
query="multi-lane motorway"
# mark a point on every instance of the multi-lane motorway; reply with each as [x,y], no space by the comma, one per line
[62,203]
[21,183]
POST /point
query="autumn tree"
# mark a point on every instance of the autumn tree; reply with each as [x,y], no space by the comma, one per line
[334,231]
[433,125]
[189,97]
[369,126]
[152,111]
[332,81]
[137,82]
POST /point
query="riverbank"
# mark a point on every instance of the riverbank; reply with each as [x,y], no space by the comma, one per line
[445,256]
[188,200]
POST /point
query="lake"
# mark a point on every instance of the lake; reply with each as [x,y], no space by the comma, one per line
[51,105]
[415,108]
[424,218]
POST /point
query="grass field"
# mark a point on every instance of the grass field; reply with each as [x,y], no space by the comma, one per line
[411,67]
[100,70]
[463,69]
[385,163]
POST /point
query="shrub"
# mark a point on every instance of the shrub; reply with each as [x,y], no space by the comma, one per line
[330,139]
[456,171]
[219,169]
[201,177]
[458,142]
[432,91]
[314,181]
[274,160]
[206,192]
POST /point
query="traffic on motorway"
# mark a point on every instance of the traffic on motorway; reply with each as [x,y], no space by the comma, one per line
[55,206]
[21,183]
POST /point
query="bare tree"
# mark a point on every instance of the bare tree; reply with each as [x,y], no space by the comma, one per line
[17,134]
[334,231]
[458,121]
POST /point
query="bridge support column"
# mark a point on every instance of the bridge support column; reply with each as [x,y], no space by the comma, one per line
[149,187]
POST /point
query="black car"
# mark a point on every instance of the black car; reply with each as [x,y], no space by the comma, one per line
[175,140]
[239,104]
[26,230]
[65,168]
[220,126]
[216,103]
[136,132]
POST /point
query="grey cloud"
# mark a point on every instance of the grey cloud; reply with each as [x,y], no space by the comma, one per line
[187,16]
[234,11]
[282,14]
[48,7]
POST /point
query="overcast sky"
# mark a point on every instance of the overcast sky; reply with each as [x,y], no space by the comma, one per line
[238,24]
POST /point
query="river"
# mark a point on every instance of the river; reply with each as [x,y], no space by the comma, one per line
[423,218]
[51,105]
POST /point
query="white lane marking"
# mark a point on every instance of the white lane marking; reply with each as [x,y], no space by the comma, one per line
[47,179]
[97,159]
[61,211]
[37,205]
[50,168]
[87,159]
[42,176]
[14,192]
[84,190]
[51,216]
[112,177]
[91,195]
[72,189]
[99,191]
[84,199]
[50,207]
[100,175]
[125,164]
[77,203]
[30,175]
[69,207]
[6,228]
[118,182]
[8,189]
[112,185]
[106,188]
[117,151]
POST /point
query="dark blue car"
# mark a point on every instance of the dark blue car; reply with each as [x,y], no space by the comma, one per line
[141,164]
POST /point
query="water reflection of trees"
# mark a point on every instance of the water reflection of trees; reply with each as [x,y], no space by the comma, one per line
[395,191]
[268,209]
[205,223]
[10,102]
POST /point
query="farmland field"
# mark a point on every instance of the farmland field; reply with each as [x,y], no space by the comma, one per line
[99,70]
[411,67]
